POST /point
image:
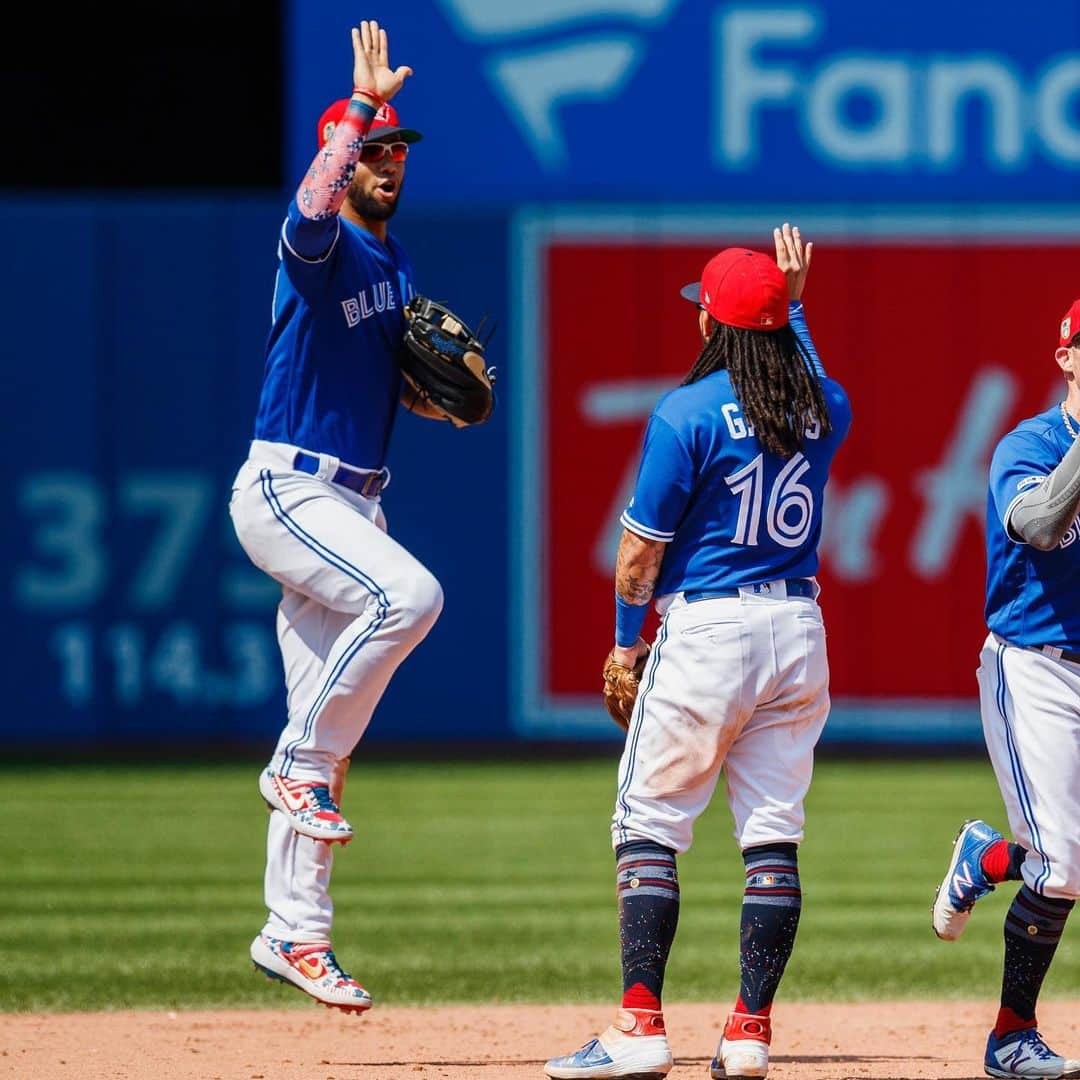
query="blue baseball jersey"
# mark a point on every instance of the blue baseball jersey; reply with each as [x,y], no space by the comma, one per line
[332,382]
[731,512]
[1032,596]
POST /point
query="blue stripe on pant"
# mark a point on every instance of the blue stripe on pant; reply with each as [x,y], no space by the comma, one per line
[1018,775]
[339,563]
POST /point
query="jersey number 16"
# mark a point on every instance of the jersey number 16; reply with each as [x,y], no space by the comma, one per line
[790,511]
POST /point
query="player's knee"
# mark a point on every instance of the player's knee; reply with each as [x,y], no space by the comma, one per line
[421,603]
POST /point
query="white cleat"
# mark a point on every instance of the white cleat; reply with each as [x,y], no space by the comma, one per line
[743,1049]
[635,1047]
[308,805]
[311,967]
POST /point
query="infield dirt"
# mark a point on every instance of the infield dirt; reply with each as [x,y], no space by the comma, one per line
[811,1042]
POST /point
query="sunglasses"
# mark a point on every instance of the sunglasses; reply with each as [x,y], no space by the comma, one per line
[374,152]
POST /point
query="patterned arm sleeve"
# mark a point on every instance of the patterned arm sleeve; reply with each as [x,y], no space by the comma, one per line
[312,225]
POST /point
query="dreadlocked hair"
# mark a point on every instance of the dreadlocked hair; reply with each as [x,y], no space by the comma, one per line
[773,380]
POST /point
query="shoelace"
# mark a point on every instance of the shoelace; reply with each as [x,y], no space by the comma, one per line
[329,960]
[335,969]
[320,795]
[1036,1045]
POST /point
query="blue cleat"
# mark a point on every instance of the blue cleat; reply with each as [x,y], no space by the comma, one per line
[964,881]
[1025,1054]
[635,1047]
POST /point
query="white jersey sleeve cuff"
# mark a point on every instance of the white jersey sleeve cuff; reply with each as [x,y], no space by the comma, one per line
[644,531]
[1023,488]
[1008,518]
[311,262]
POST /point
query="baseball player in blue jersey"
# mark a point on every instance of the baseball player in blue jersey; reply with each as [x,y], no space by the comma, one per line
[723,530]
[1029,692]
[306,504]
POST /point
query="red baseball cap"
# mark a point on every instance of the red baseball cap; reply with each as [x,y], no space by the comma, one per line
[1070,326]
[384,127]
[742,288]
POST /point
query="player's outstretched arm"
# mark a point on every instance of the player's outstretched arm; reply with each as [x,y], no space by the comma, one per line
[793,257]
[323,189]
[1042,515]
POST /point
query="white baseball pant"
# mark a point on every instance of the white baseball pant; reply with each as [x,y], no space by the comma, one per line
[354,604]
[738,683]
[1030,704]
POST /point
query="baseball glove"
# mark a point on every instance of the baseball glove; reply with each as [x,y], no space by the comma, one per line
[443,362]
[621,687]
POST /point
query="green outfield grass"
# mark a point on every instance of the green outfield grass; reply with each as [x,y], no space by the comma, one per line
[142,887]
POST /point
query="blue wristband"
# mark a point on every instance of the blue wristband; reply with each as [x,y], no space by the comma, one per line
[629,619]
[369,111]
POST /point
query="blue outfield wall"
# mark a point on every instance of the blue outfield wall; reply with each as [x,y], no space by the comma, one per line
[132,360]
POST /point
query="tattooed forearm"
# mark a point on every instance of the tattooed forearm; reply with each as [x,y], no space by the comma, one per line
[637,567]
[323,189]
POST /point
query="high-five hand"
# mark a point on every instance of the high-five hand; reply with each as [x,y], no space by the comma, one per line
[792,258]
[371,61]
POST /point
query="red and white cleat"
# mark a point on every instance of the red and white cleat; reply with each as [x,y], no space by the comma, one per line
[308,805]
[311,967]
[744,1047]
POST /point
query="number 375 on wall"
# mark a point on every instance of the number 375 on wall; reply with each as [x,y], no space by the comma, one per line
[68,564]
[107,573]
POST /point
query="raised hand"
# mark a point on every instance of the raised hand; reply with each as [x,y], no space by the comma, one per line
[792,258]
[371,61]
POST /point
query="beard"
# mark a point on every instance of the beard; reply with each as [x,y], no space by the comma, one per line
[374,209]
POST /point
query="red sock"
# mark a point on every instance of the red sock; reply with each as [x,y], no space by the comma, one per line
[1008,1020]
[740,1007]
[639,996]
[995,862]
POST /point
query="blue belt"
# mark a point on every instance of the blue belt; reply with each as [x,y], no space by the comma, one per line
[368,484]
[798,586]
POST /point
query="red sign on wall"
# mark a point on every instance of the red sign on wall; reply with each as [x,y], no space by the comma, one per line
[943,342]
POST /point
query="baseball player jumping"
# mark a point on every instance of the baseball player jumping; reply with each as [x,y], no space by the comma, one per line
[1029,692]
[723,528]
[306,504]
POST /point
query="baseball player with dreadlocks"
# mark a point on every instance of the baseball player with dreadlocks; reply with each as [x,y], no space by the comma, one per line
[723,529]
[1029,692]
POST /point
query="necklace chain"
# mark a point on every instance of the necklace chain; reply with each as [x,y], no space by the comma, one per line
[1068,422]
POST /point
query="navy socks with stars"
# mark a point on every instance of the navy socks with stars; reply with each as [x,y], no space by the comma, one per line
[648,889]
[1033,929]
[770,918]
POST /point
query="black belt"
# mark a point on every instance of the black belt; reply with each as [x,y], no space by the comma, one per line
[1059,654]
[798,586]
[368,484]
